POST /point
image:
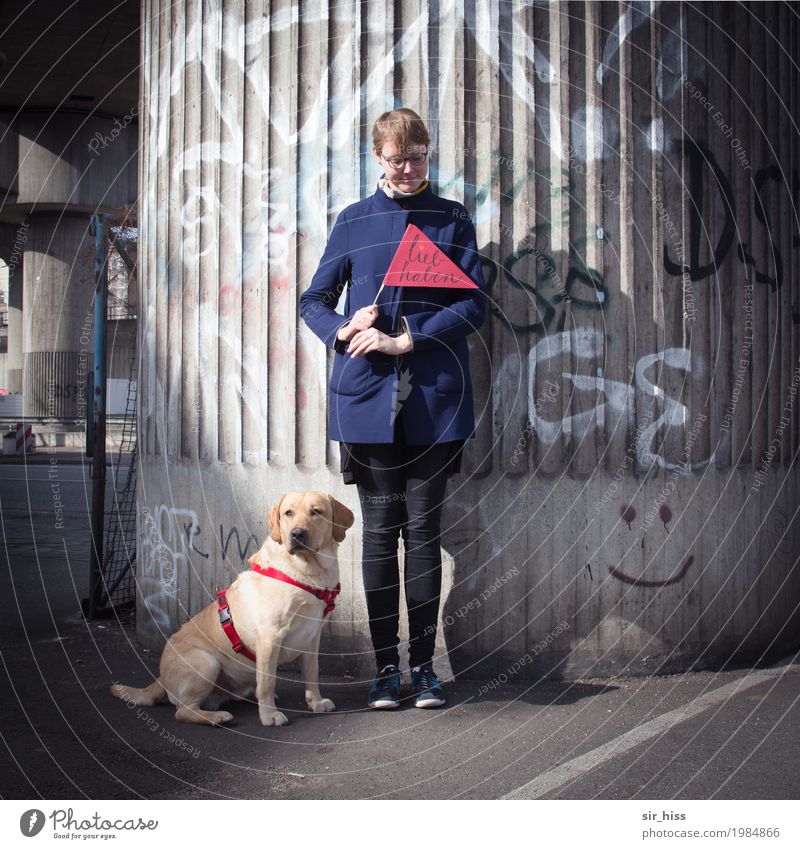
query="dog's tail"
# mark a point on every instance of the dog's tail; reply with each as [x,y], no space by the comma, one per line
[151,695]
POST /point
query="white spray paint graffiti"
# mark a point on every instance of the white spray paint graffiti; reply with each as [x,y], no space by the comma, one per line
[164,544]
[163,551]
[271,101]
[281,219]
[586,343]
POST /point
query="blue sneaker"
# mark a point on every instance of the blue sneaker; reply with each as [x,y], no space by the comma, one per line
[426,688]
[385,692]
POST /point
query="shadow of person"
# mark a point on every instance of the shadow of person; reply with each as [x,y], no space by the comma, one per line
[541,692]
[515,586]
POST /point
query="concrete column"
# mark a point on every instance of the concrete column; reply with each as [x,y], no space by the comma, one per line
[58,274]
[12,246]
[14,355]
[59,168]
[629,503]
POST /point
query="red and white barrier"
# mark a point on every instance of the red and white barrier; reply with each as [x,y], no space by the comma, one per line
[26,442]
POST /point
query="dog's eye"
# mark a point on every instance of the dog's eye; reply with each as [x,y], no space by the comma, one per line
[314,511]
[289,513]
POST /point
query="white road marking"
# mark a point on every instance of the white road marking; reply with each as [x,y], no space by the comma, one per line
[577,767]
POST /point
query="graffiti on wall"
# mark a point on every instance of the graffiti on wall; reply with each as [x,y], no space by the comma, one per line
[533,267]
[170,537]
[675,578]
[174,534]
[553,284]
[616,400]
[162,551]
[160,555]
[700,162]
[271,106]
[627,514]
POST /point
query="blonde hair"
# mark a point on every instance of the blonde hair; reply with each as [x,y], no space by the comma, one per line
[402,126]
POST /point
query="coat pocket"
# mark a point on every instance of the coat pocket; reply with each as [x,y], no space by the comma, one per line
[451,372]
[349,375]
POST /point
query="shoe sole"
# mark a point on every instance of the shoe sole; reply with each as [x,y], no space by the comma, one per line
[383,704]
[429,703]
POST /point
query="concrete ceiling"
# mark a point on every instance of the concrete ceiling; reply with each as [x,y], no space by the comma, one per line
[69,54]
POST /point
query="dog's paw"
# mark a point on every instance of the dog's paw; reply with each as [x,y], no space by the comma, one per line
[271,716]
[321,705]
[220,717]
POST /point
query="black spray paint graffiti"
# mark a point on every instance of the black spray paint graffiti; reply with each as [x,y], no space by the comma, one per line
[192,530]
[677,576]
[700,158]
[582,288]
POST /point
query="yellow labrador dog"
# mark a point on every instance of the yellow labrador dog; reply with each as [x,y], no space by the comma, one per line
[270,614]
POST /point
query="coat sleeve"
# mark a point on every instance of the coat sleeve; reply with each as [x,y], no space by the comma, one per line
[431,328]
[318,302]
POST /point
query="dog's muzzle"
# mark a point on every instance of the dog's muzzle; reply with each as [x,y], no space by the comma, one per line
[299,538]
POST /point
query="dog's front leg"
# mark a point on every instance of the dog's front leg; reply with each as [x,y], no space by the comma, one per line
[311,675]
[268,646]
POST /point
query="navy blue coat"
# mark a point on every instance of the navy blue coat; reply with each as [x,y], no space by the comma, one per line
[430,386]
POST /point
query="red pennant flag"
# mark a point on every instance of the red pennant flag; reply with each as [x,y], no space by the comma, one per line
[419,262]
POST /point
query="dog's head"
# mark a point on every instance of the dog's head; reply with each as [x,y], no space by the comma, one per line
[309,521]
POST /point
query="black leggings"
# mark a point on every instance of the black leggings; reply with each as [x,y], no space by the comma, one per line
[401,490]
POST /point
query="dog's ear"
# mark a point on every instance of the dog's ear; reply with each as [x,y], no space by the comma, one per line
[275,521]
[343,519]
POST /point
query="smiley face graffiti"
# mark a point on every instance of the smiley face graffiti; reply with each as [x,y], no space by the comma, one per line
[628,513]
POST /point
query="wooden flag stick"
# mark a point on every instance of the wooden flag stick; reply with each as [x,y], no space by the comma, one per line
[379,292]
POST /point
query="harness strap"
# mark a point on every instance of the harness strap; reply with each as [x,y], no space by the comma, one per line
[226,620]
[328,596]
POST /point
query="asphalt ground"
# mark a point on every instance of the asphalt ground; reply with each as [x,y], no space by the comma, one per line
[733,734]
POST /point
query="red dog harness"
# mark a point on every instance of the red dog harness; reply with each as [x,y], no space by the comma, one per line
[226,620]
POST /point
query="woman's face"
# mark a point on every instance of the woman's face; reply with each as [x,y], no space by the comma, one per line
[407,177]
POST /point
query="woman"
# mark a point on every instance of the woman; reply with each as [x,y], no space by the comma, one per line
[400,394]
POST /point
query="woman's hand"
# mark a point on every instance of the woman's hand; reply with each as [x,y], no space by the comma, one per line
[366,341]
[362,320]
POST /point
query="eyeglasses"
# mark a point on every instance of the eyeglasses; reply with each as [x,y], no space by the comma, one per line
[397,162]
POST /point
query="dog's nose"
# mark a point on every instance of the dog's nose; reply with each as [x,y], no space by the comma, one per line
[299,535]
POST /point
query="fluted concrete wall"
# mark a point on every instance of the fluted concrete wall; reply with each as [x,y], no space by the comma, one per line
[630,500]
